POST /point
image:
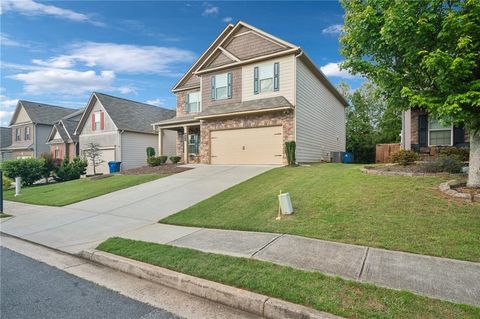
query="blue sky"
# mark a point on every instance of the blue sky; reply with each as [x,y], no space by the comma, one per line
[58,52]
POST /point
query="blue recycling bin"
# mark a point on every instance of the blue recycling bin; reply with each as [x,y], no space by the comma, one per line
[347,158]
[114,167]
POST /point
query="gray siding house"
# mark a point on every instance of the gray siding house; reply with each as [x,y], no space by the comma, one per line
[122,130]
[31,124]
[5,141]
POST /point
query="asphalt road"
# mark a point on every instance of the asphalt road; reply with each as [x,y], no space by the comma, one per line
[31,289]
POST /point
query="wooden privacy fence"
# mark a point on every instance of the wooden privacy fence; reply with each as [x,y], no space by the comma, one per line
[383,152]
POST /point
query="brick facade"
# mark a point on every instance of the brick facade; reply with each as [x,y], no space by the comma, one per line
[181,102]
[285,119]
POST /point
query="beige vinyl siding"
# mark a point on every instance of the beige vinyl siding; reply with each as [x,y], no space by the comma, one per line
[169,143]
[22,116]
[134,146]
[287,80]
[320,118]
[108,138]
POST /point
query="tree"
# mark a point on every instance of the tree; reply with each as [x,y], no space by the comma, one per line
[49,165]
[370,120]
[421,54]
[94,154]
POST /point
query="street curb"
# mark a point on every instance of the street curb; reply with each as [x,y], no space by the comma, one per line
[251,302]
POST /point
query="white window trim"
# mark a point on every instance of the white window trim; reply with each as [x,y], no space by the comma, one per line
[226,86]
[99,120]
[428,134]
[199,102]
[272,64]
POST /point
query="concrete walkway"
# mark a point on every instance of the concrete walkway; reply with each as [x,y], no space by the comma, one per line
[83,225]
[442,278]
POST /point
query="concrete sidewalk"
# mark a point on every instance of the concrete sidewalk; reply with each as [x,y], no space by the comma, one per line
[442,278]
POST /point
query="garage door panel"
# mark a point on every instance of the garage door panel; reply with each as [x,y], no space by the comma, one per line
[107,156]
[263,145]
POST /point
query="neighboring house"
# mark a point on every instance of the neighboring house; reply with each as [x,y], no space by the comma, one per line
[62,139]
[424,134]
[5,141]
[31,124]
[122,130]
[248,94]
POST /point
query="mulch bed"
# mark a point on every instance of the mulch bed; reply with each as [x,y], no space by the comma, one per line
[462,188]
[162,169]
[414,169]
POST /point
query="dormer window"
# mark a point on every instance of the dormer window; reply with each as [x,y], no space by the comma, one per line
[266,78]
[192,102]
[221,86]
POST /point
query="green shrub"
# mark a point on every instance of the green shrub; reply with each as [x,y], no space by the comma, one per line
[29,169]
[448,164]
[156,160]
[163,159]
[70,170]
[462,152]
[404,157]
[290,151]
[175,159]
[150,152]
[6,183]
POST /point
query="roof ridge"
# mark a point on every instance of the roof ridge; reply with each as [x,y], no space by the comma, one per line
[45,104]
[122,98]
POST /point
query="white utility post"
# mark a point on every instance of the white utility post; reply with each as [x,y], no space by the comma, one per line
[18,185]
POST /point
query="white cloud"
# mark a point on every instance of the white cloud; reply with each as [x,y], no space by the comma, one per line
[7,106]
[333,69]
[227,19]
[210,9]
[121,57]
[5,40]
[60,81]
[125,90]
[156,102]
[333,29]
[32,8]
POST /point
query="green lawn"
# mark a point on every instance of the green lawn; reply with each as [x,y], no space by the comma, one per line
[339,203]
[2,215]
[61,194]
[313,289]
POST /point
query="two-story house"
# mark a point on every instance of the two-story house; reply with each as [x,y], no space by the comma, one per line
[62,138]
[31,124]
[248,94]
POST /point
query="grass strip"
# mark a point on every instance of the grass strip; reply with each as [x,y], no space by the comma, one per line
[313,289]
[61,194]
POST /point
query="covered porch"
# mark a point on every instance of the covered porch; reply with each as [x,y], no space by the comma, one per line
[188,137]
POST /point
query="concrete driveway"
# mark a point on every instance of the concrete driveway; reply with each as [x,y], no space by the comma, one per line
[83,225]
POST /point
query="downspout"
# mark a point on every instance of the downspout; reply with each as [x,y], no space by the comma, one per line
[120,145]
[35,138]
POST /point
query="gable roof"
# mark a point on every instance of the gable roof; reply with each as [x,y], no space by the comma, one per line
[40,113]
[127,115]
[66,127]
[5,137]
[217,55]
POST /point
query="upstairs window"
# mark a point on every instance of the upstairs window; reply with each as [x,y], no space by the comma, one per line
[18,134]
[192,102]
[439,134]
[266,78]
[221,86]
[27,133]
[98,122]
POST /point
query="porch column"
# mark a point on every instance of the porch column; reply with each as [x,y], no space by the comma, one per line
[160,142]
[185,144]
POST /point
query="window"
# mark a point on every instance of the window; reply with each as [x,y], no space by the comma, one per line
[27,133]
[57,154]
[439,134]
[193,143]
[266,78]
[222,86]
[97,121]
[18,134]
[192,102]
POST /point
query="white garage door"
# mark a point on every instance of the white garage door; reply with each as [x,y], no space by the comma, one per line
[107,156]
[262,145]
